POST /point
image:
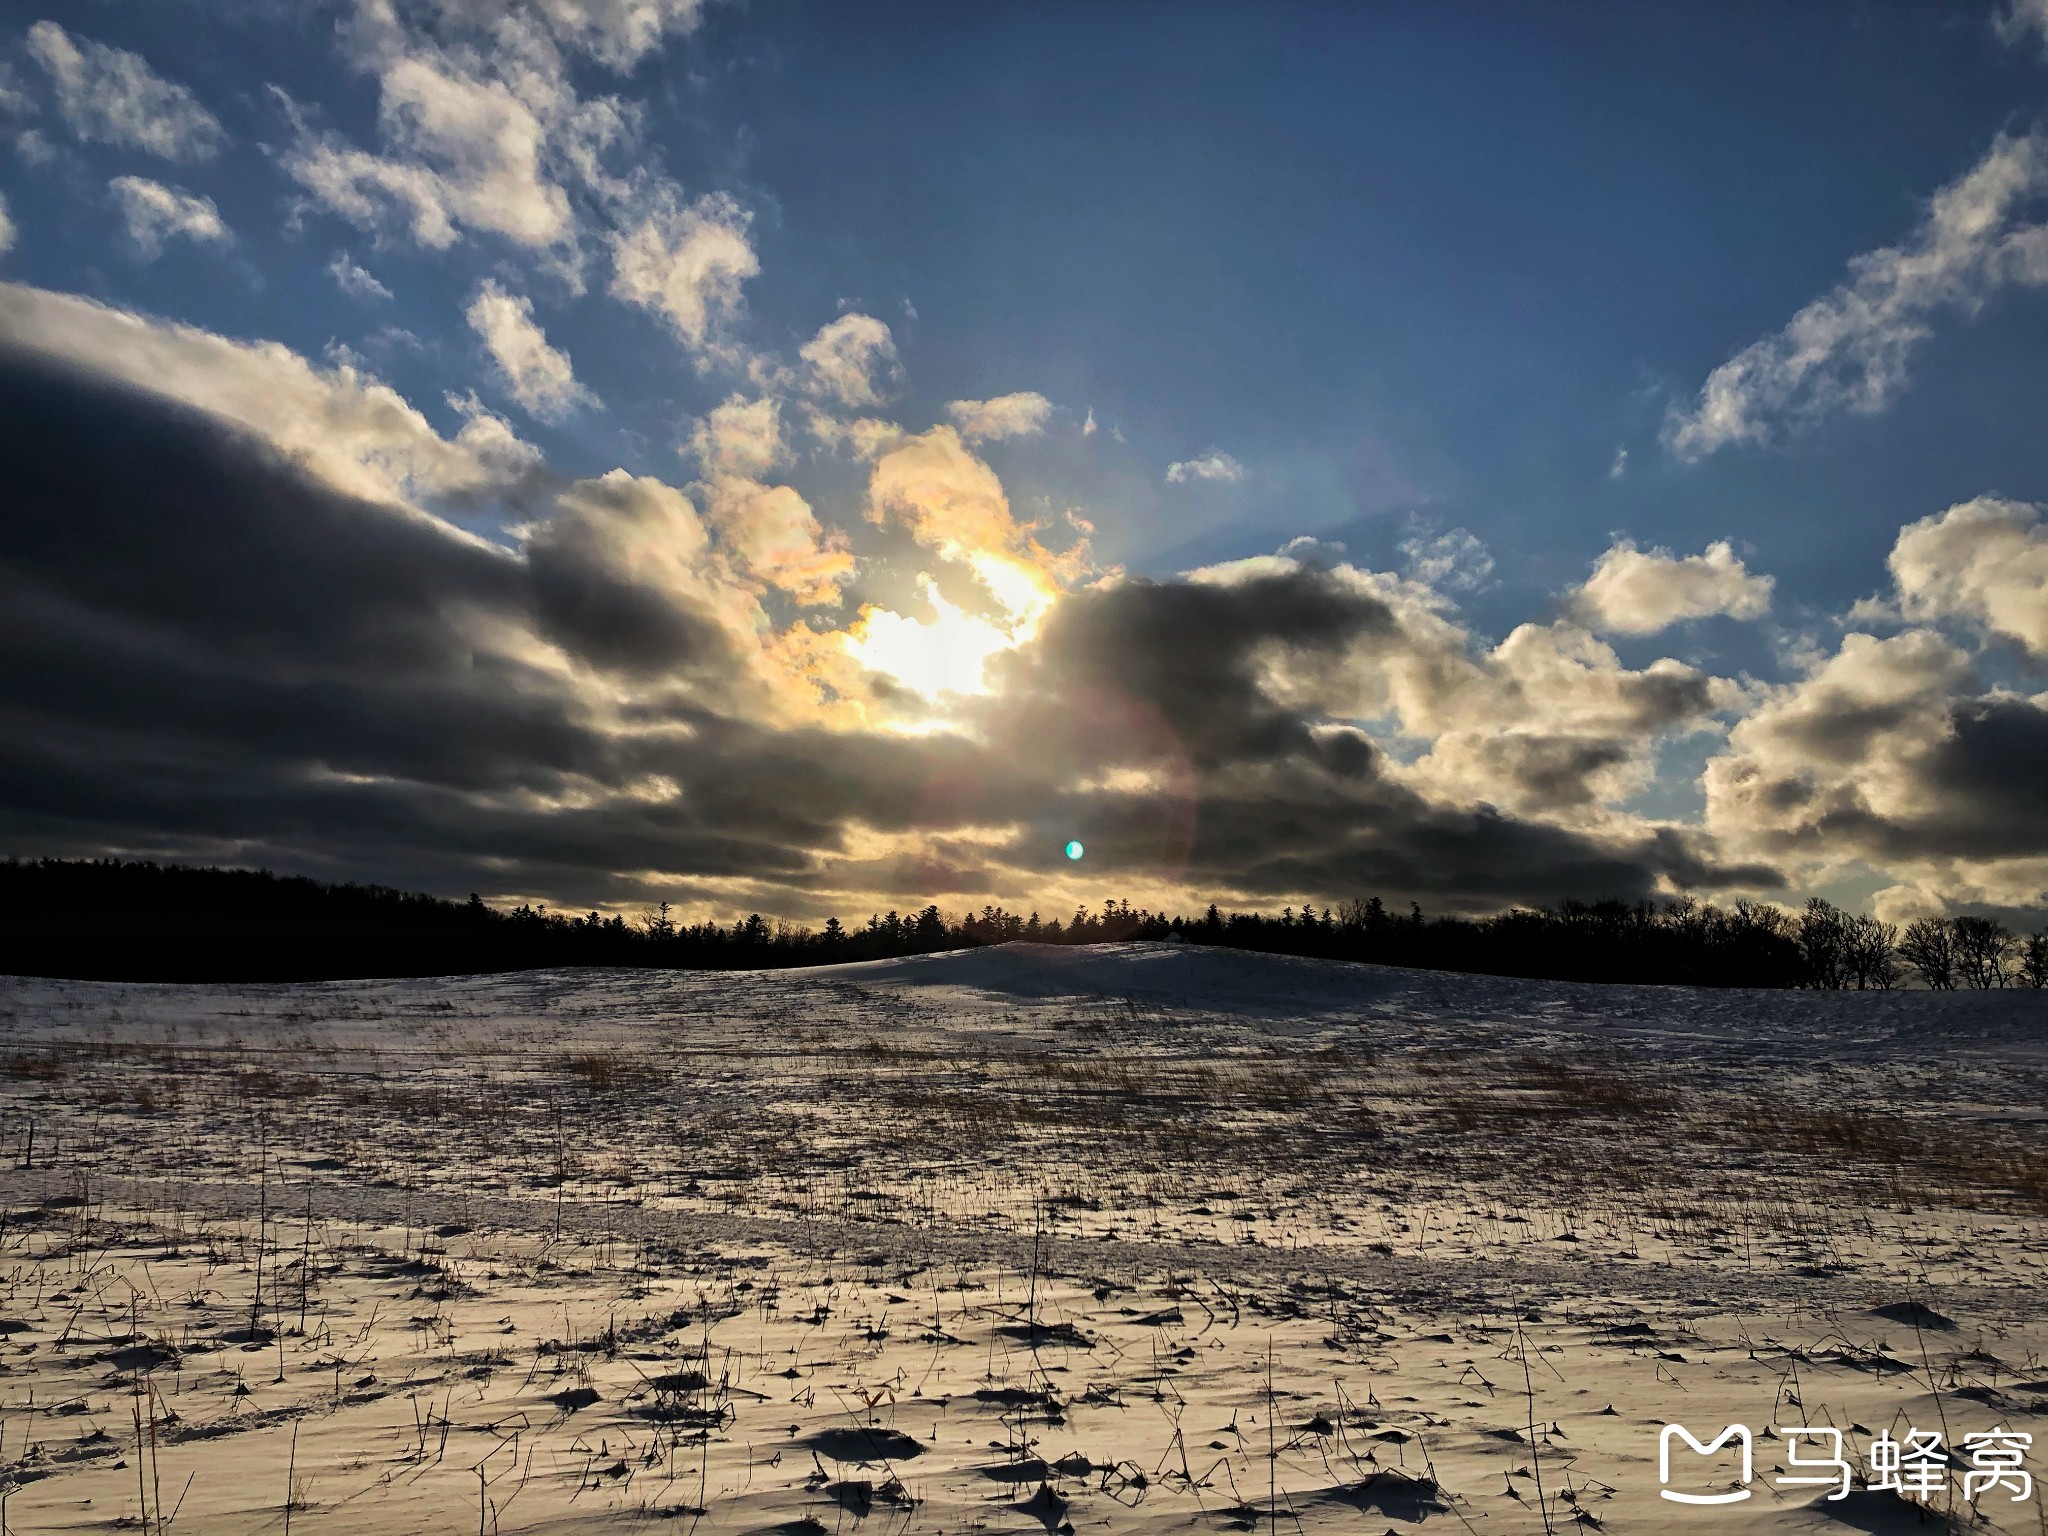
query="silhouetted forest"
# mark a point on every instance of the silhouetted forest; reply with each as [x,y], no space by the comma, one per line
[142,921]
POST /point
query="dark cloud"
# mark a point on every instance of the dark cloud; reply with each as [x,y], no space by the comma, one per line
[1300,830]
[1254,795]
[1550,772]
[1191,652]
[592,595]
[207,651]
[1995,766]
[1977,789]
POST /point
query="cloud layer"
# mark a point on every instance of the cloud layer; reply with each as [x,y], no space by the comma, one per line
[296,659]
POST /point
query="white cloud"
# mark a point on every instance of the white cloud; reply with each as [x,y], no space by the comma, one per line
[466,151]
[111,96]
[347,427]
[687,263]
[1306,549]
[1848,350]
[770,533]
[1984,562]
[1548,722]
[616,33]
[852,360]
[1620,465]
[354,280]
[1212,464]
[740,438]
[1638,592]
[1023,414]
[538,375]
[949,500]
[865,437]
[2022,19]
[619,33]
[6,229]
[154,212]
[1456,561]
[480,125]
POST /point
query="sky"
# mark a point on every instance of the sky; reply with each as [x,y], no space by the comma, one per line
[816,459]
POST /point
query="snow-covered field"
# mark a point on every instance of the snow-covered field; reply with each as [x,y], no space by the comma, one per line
[1129,1237]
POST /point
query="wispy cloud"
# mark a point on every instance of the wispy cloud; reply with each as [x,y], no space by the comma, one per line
[480,127]
[1849,349]
[2023,19]
[687,262]
[1457,561]
[538,375]
[154,213]
[15,100]
[354,280]
[112,96]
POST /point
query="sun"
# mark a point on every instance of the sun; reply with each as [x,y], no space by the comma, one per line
[950,652]
[947,654]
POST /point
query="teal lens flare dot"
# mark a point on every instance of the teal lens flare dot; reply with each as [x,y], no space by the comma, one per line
[1075,850]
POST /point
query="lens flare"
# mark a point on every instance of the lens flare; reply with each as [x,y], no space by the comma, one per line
[1075,850]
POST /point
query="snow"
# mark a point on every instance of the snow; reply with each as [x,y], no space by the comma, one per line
[1133,1204]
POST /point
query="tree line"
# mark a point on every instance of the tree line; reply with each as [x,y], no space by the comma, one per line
[147,921]
[1685,942]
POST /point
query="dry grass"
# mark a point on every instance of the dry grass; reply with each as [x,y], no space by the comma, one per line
[42,1066]
[1904,1154]
[603,1071]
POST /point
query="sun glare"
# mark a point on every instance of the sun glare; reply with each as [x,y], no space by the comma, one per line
[1023,590]
[948,654]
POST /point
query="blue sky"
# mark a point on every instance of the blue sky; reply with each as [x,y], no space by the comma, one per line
[1485,295]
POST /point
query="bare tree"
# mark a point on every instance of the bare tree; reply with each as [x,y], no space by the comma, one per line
[2034,961]
[1823,936]
[1929,947]
[1871,953]
[1984,951]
